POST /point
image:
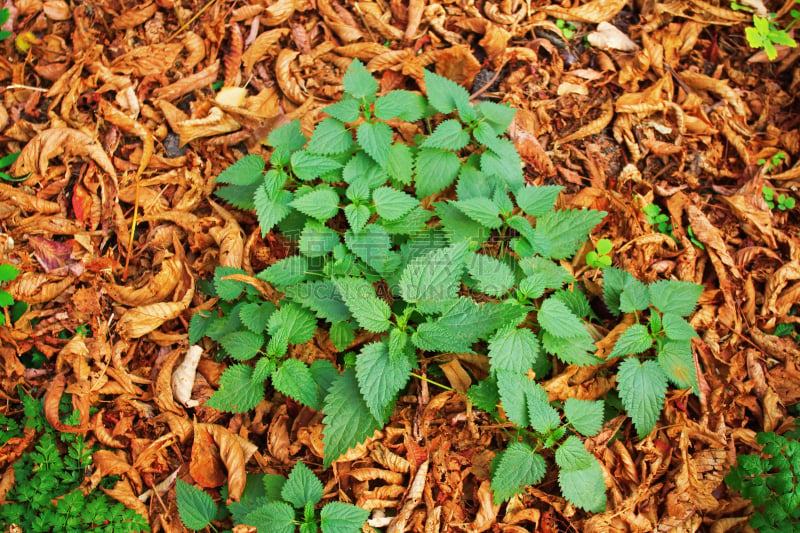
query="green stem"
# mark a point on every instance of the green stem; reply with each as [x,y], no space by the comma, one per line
[423,378]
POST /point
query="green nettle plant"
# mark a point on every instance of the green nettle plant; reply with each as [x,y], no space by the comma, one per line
[770,480]
[275,504]
[478,273]
[47,494]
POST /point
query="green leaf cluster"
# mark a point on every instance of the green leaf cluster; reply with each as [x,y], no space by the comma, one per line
[765,33]
[8,272]
[274,504]
[770,481]
[47,494]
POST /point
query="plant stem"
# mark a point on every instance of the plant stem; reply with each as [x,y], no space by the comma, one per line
[423,378]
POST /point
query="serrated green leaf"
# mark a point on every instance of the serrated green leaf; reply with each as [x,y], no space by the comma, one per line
[246,171]
[242,345]
[322,203]
[330,137]
[676,297]
[404,105]
[445,95]
[299,323]
[195,506]
[273,517]
[463,322]
[514,350]
[357,216]
[514,389]
[412,222]
[317,240]
[398,340]
[503,161]
[578,350]
[288,136]
[553,275]
[576,300]
[344,110]
[400,163]
[271,210]
[543,416]
[348,420]
[293,378]
[358,191]
[372,245]
[485,134]
[361,167]
[380,377]
[307,166]
[484,395]
[472,183]
[322,297]
[634,296]
[371,312]
[301,487]
[634,340]
[642,388]
[237,392]
[286,271]
[433,278]
[376,140]
[559,234]
[677,328]
[481,210]
[584,415]
[359,82]
[536,201]
[514,469]
[198,325]
[228,289]
[8,272]
[255,315]
[614,280]
[558,320]
[392,204]
[580,476]
[676,360]
[448,135]
[499,116]
[342,335]
[339,517]
[459,226]
[436,169]
[494,277]
[263,369]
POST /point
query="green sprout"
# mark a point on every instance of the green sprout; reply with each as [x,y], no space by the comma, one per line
[5,162]
[567,29]
[600,258]
[4,14]
[782,201]
[693,238]
[764,33]
[658,220]
[7,273]
[774,162]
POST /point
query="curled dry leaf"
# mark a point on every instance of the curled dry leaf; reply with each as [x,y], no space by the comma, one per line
[206,466]
[266,43]
[389,459]
[34,288]
[108,463]
[286,80]
[595,11]
[184,374]
[371,474]
[154,290]
[413,497]
[123,493]
[232,456]
[609,37]
[104,437]
[139,321]
[203,78]
[64,142]
[56,10]
[130,18]
[162,390]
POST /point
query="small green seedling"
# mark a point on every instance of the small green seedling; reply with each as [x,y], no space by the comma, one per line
[7,273]
[693,238]
[600,257]
[774,162]
[4,14]
[781,201]
[764,33]
[567,29]
[658,220]
[5,162]
[274,503]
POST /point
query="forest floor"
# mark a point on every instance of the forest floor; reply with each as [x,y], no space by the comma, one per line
[122,117]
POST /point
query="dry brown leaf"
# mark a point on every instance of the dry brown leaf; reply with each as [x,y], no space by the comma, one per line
[184,374]
[609,37]
[59,142]
[130,18]
[232,455]
[140,321]
[206,466]
[413,497]
[201,79]
[152,290]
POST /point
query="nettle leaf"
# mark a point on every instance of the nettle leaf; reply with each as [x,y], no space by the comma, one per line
[298,323]
[676,297]
[275,517]
[398,340]
[361,167]
[445,95]
[614,280]
[237,391]
[482,210]
[307,166]
[301,487]
[344,110]
[553,275]
[634,296]
[287,271]
[255,315]
[322,203]
[195,506]
[459,226]
[246,171]
[513,349]
[289,136]
[433,279]
[376,140]
[462,323]
[448,135]
[642,388]
[400,163]
[371,312]
[412,222]
[543,417]
[357,216]
[485,134]
[677,328]
[536,201]
[372,245]
[634,340]
[380,377]
[578,350]
[557,319]
[322,297]
[677,361]
[392,204]
[342,335]
[514,469]
[472,183]
[584,415]
[228,289]
[503,161]
[293,378]
[404,105]
[271,210]
[242,345]
[436,169]
[330,137]
[514,389]
[499,116]
[348,421]
[199,324]
[494,277]
[576,300]
[559,234]
[485,395]
[317,240]
[580,476]
[339,517]
[359,82]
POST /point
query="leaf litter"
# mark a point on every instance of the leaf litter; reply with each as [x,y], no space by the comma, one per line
[124,114]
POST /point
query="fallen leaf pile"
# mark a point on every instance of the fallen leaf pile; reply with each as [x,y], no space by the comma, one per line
[124,112]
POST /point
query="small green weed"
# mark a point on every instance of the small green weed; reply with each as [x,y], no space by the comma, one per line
[273,503]
[770,481]
[46,496]
[7,273]
[764,33]
[658,220]
[774,162]
[4,14]
[599,257]
[781,201]
[567,30]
